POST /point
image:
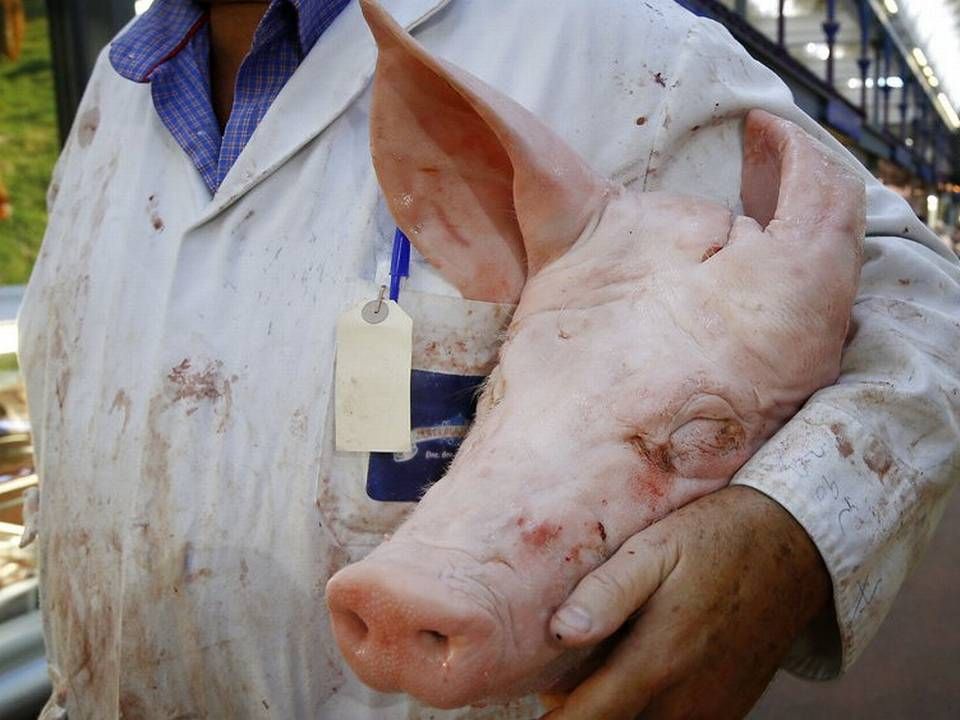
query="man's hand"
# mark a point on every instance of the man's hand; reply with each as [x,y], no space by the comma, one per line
[717,593]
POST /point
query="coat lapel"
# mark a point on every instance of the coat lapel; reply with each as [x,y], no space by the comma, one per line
[336,71]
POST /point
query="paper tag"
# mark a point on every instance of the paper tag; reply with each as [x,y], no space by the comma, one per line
[372,387]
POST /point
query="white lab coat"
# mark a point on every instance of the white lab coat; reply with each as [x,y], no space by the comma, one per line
[178,353]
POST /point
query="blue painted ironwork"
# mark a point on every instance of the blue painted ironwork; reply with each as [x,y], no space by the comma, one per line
[885,85]
[844,118]
[922,142]
[878,56]
[904,93]
[830,29]
[781,24]
[902,157]
[877,50]
[865,17]
[915,122]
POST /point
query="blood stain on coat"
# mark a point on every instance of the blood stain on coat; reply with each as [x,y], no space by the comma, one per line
[53,193]
[642,120]
[227,403]
[131,707]
[58,353]
[877,458]
[844,447]
[155,220]
[337,558]
[87,126]
[121,401]
[454,350]
[903,281]
[84,613]
[206,384]
[63,384]
[188,572]
[659,79]
[298,423]
[105,175]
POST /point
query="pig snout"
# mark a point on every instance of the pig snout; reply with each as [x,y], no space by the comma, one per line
[454,623]
[401,629]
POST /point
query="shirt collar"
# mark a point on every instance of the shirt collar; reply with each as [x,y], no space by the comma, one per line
[168,26]
[313,17]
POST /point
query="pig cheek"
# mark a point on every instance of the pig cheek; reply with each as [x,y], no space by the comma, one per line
[563,551]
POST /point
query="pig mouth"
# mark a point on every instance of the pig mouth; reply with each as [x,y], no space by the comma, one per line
[445,638]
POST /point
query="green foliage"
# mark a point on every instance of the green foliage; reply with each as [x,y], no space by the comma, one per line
[8,364]
[28,146]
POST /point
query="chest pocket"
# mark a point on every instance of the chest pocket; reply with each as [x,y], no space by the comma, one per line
[455,344]
[442,406]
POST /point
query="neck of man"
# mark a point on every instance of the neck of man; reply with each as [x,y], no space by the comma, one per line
[232,26]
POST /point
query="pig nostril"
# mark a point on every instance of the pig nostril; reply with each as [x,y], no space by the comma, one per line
[352,626]
[436,644]
[432,638]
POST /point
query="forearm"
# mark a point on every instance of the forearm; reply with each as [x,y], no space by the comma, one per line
[866,465]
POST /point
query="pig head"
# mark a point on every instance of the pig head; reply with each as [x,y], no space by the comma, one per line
[658,341]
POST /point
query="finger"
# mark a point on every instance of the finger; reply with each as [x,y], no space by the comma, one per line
[609,595]
[643,665]
[790,178]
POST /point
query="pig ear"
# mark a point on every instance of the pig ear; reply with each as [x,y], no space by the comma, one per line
[790,178]
[482,188]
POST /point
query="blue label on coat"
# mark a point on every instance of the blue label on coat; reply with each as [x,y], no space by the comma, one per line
[441,409]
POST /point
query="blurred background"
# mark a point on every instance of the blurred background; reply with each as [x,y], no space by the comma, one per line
[882,75]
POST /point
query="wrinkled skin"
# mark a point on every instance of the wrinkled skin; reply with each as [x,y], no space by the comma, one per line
[658,341]
[725,584]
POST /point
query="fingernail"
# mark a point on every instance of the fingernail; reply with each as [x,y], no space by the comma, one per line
[575,618]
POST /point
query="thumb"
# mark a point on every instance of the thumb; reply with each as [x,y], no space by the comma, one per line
[609,595]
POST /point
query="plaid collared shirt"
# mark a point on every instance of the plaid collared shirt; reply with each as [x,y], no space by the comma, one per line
[169,47]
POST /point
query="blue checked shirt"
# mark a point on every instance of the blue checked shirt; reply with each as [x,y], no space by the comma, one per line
[169,47]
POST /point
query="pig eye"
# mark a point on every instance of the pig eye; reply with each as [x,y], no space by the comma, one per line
[708,448]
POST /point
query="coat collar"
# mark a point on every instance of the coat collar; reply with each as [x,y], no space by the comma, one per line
[336,71]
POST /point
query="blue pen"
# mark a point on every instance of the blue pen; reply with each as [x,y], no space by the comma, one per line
[399,262]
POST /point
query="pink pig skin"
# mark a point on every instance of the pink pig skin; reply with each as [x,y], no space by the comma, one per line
[658,341]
